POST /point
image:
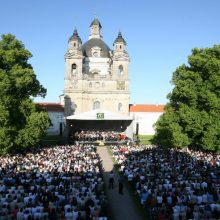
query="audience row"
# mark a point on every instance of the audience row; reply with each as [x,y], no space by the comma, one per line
[90,135]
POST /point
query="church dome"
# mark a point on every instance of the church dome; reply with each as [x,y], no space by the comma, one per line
[96,42]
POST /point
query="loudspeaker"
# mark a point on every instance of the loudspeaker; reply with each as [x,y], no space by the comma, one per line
[137,128]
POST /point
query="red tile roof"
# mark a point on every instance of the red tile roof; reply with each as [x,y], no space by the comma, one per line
[51,107]
[57,107]
[146,108]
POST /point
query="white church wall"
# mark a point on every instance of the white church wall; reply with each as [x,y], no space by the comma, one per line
[56,118]
[146,120]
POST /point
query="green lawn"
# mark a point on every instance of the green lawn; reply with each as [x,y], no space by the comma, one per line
[145,139]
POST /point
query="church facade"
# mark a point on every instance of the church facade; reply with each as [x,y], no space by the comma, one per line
[96,90]
[97,77]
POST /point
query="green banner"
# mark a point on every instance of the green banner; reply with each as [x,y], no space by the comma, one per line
[100,115]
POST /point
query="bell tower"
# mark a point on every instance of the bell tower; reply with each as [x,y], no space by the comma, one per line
[74,57]
[120,65]
[74,62]
[120,58]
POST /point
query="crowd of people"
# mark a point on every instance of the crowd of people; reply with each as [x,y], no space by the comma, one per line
[171,183]
[59,183]
[96,135]
[65,183]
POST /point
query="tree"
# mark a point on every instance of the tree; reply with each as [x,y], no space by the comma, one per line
[22,122]
[192,115]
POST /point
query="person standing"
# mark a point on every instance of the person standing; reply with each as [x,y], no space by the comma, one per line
[111,180]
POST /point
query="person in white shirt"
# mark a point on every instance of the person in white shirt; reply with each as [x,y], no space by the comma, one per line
[204,185]
[20,214]
[68,214]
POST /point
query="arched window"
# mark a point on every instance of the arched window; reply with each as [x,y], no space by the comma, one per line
[119,106]
[97,85]
[73,68]
[120,70]
[96,105]
[90,85]
[74,44]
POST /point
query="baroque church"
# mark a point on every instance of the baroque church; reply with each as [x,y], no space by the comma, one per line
[96,89]
[96,76]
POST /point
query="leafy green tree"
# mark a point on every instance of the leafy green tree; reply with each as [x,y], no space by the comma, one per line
[22,123]
[192,115]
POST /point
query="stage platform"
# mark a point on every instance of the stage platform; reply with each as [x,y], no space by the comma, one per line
[100,143]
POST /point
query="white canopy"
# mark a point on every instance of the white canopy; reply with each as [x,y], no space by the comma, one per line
[99,114]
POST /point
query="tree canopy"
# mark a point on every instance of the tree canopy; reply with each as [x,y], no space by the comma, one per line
[192,115]
[22,122]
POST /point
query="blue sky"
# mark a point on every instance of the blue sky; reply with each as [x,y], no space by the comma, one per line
[159,33]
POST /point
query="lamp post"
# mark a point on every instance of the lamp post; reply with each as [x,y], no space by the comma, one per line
[137,127]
